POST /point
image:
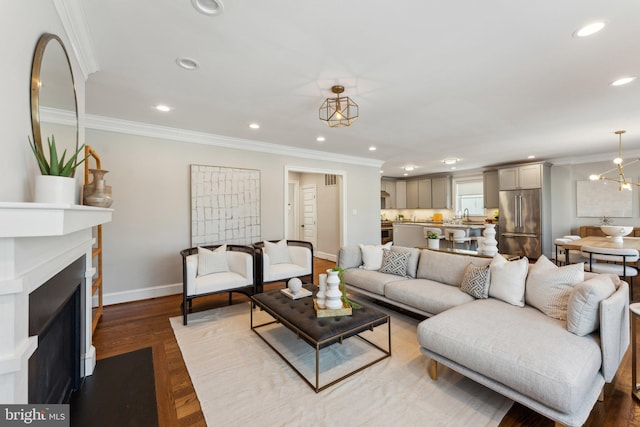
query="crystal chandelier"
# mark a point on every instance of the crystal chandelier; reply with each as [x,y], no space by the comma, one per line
[338,111]
[623,184]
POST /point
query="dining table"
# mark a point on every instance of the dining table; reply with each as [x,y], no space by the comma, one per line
[600,242]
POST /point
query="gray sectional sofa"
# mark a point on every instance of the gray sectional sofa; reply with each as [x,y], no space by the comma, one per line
[544,336]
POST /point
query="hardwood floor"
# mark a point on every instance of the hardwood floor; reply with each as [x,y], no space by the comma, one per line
[132,326]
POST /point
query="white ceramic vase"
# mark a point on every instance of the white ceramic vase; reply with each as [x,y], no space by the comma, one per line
[333,296]
[489,244]
[433,243]
[55,189]
[321,295]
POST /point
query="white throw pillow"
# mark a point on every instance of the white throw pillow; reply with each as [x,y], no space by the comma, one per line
[548,286]
[278,252]
[372,255]
[583,308]
[210,262]
[507,279]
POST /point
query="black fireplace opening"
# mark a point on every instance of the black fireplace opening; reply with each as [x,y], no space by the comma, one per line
[55,316]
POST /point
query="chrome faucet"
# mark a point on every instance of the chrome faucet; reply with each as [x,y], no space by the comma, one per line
[466,214]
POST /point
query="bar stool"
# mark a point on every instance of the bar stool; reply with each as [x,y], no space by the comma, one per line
[454,236]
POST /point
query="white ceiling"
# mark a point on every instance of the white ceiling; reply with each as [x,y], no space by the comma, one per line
[487,82]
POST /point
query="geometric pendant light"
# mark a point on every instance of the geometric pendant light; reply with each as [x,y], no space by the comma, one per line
[338,111]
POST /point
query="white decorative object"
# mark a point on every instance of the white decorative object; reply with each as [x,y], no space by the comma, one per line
[433,243]
[321,296]
[55,189]
[294,285]
[488,245]
[334,296]
[616,231]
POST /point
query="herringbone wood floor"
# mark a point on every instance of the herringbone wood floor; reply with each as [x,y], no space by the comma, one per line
[132,326]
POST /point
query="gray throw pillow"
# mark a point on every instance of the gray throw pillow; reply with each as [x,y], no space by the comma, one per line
[414,257]
[583,308]
[476,281]
[394,263]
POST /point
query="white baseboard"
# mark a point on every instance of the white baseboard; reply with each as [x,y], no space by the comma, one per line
[140,294]
[324,255]
[163,290]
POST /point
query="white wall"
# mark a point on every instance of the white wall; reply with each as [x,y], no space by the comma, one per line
[150,180]
[21,24]
[564,201]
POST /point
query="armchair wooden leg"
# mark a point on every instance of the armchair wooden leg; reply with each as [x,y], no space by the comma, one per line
[433,369]
[601,396]
[230,301]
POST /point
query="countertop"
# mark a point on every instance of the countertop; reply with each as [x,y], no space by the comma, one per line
[469,224]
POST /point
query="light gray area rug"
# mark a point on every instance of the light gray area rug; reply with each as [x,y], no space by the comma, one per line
[240,381]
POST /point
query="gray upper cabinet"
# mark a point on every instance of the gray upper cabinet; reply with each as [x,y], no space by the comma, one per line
[412,194]
[441,193]
[390,187]
[490,189]
[401,194]
[424,193]
[521,177]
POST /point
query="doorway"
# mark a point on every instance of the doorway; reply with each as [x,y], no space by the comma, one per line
[327,231]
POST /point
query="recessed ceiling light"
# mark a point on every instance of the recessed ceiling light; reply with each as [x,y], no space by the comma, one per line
[622,81]
[254,126]
[450,161]
[453,168]
[187,63]
[208,7]
[589,29]
[409,168]
[320,139]
[163,108]
[405,174]
[381,171]
[531,156]
[372,148]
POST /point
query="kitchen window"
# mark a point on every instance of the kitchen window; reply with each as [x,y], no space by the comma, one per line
[468,194]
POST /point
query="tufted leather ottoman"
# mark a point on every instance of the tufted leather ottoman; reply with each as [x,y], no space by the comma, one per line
[300,317]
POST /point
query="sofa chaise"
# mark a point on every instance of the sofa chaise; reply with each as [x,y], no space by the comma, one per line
[548,337]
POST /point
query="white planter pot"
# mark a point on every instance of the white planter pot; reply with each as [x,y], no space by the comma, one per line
[55,189]
[433,243]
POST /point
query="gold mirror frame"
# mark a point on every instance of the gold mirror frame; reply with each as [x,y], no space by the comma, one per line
[56,70]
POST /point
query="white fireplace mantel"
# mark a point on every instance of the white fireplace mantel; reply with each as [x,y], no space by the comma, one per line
[37,241]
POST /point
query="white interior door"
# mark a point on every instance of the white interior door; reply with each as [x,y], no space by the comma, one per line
[309,215]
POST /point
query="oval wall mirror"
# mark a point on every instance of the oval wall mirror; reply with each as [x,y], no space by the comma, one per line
[54,107]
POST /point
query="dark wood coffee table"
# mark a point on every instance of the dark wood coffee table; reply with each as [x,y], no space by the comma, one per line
[300,317]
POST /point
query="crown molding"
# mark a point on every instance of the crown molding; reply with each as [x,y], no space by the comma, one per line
[74,21]
[193,137]
[61,117]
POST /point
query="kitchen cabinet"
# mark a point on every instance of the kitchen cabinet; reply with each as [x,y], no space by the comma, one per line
[441,193]
[412,194]
[424,193]
[490,189]
[390,187]
[521,177]
[401,194]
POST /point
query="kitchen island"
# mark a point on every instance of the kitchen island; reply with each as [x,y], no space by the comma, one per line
[411,234]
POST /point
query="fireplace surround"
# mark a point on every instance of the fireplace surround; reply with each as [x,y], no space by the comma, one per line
[38,242]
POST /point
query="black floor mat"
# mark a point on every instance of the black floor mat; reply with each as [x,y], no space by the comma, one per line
[121,392]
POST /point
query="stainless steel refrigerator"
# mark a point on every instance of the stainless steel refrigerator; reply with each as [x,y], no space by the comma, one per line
[521,223]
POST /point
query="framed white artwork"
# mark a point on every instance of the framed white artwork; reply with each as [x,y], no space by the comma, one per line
[601,198]
[225,205]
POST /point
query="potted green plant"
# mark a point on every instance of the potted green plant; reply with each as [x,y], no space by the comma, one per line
[433,240]
[343,289]
[56,184]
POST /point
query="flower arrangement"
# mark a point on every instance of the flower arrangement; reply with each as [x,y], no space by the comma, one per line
[343,288]
[55,166]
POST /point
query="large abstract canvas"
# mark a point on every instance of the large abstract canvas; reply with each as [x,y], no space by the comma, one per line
[225,205]
[601,198]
